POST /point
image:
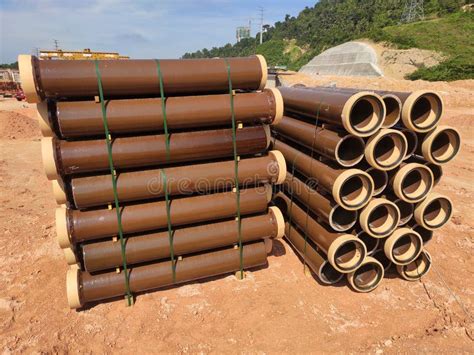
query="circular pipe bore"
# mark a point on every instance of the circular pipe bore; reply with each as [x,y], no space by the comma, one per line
[350,151]
[386,149]
[363,114]
[412,142]
[441,145]
[379,218]
[433,212]
[367,277]
[417,268]
[371,243]
[403,246]
[413,182]
[341,219]
[421,111]
[328,274]
[380,179]
[353,189]
[346,253]
[380,256]
[406,211]
[393,107]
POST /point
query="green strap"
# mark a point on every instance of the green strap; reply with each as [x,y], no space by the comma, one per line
[163,110]
[170,229]
[114,184]
[236,170]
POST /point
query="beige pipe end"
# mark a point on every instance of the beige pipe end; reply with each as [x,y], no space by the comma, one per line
[280,221]
[403,246]
[433,212]
[416,269]
[441,145]
[357,253]
[422,111]
[412,142]
[341,219]
[393,105]
[386,149]
[268,135]
[70,256]
[267,189]
[379,218]
[280,159]
[344,193]
[367,277]
[58,192]
[43,121]
[349,150]
[264,68]
[72,288]
[370,123]
[279,108]
[412,182]
[47,154]
[25,65]
[62,234]
[268,245]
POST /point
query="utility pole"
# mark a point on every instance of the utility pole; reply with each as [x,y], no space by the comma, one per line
[413,11]
[260,9]
[56,44]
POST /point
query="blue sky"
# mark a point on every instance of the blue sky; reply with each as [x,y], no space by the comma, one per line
[141,29]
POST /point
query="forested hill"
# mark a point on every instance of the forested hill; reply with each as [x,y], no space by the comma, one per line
[295,40]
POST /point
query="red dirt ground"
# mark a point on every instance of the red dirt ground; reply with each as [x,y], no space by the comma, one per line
[275,310]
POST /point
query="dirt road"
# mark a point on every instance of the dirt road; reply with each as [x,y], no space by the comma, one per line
[276,309]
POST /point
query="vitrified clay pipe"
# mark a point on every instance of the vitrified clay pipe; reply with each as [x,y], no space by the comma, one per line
[361,114]
[367,277]
[345,252]
[182,180]
[323,206]
[403,246]
[62,157]
[107,254]
[411,182]
[440,145]
[371,243]
[412,142]
[380,256]
[436,169]
[83,287]
[71,119]
[434,211]
[314,257]
[138,77]
[379,177]
[379,218]
[74,226]
[417,268]
[345,149]
[386,149]
[350,188]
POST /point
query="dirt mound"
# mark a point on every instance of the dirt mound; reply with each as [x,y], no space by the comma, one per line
[15,125]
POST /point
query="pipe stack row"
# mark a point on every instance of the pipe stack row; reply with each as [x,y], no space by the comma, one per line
[362,165]
[195,166]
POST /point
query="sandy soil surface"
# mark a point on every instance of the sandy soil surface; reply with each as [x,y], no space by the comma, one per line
[276,309]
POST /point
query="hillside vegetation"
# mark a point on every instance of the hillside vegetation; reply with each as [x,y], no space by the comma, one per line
[295,40]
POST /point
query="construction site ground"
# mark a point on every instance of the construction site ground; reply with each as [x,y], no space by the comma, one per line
[275,309]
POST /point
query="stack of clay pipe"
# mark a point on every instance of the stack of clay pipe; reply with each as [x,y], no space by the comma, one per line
[362,165]
[199,168]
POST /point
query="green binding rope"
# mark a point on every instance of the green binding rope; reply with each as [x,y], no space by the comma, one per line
[114,183]
[236,170]
[163,174]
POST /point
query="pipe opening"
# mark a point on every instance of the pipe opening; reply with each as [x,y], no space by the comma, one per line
[393,111]
[437,213]
[426,111]
[355,191]
[380,256]
[328,274]
[389,151]
[370,242]
[419,267]
[406,211]
[368,276]
[412,142]
[406,248]
[366,114]
[349,255]
[383,219]
[350,151]
[445,146]
[416,184]
[341,219]
[380,179]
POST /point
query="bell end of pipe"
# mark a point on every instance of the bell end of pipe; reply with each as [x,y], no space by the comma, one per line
[426,177]
[395,104]
[454,139]
[58,191]
[400,145]
[413,251]
[279,108]
[72,288]
[391,223]
[379,114]
[62,234]
[367,189]
[70,256]
[280,159]
[25,65]
[42,114]
[446,205]
[408,107]
[357,259]
[280,221]
[418,268]
[373,284]
[47,154]
[264,68]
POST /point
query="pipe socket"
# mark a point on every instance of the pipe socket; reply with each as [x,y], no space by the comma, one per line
[433,212]
[363,114]
[417,268]
[412,182]
[386,149]
[346,253]
[379,218]
[441,145]
[367,277]
[403,246]
[393,106]
[353,189]
[422,111]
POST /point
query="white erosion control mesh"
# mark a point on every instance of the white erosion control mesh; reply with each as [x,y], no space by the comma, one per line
[347,59]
